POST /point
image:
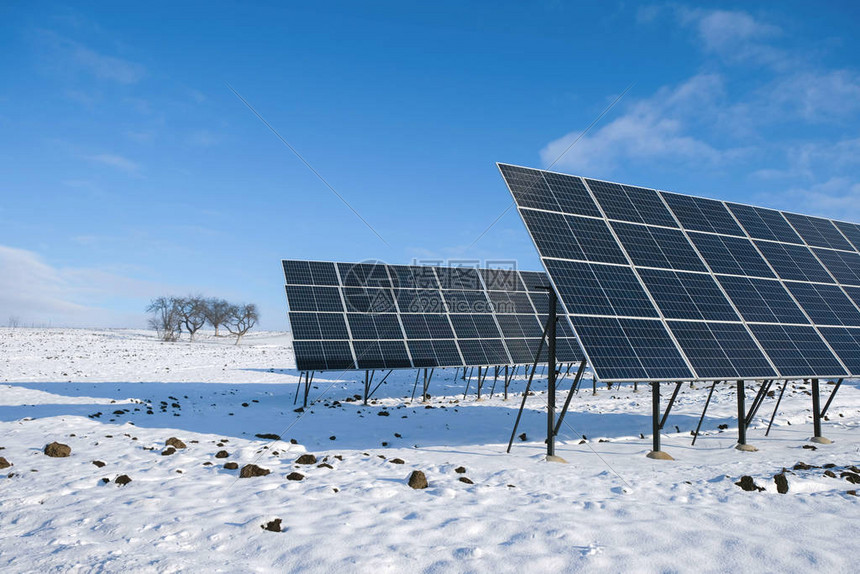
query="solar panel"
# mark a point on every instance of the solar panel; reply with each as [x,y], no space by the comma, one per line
[706,289]
[378,316]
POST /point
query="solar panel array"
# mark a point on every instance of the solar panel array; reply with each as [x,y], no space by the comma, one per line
[663,286]
[376,316]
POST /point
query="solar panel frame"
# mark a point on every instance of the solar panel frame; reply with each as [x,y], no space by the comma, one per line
[432,311]
[768,255]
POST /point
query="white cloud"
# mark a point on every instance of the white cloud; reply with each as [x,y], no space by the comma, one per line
[652,129]
[816,95]
[38,293]
[116,161]
[733,35]
[106,67]
[837,197]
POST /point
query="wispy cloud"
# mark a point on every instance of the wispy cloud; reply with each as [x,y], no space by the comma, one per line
[116,161]
[651,129]
[106,67]
[37,292]
[69,55]
[734,35]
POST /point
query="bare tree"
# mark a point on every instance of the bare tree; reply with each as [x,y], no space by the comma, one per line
[217,312]
[192,313]
[165,319]
[242,319]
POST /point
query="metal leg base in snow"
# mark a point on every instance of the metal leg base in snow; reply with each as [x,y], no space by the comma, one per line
[659,455]
[820,440]
[746,447]
[555,458]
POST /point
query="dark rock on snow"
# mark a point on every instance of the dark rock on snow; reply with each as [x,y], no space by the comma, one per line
[268,436]
[273,526]
[306,459]
[460,469]
[4,463]
[122,479]
[417,480]
[231,465]
[98,463]
[174,442]
[466,480]
[295,476]
[250,470]
[57,450]
[781,483]
[396,461]
[222,454]
[168,451]
[748,484]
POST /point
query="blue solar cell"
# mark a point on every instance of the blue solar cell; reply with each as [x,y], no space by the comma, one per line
[721,350]
[700,214]
[797,351]
[529,187]
[818,232]
[683,295]
[793,262]
[762,300]
[851,231]
[369,300]
[658,247]
[419,301]
[364,274]
[381,355]
[436,353]
[761,223]
[484,352]
[367,326]
[303,298]
[844,266]
[846,343]
[590,289]
[610,353]
[571,195]
[633,204]
[413,276]
[854,294]
[825,304]
[731,255]
[502,280]
[520,326]
[318,326]
[567,350]
[323,355]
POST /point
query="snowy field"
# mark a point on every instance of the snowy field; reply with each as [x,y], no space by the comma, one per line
[117,396]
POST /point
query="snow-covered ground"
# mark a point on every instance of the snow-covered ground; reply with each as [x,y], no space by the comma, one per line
[609,509]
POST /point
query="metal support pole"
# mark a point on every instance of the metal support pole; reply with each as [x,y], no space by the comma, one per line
[569,396]
[759,399]
[656,453]
[299,386]
[551,375]
[742,421]
[669,406]
[379,384]
[816,415]
[308,378]
[526,392]
[776,407]
[415,386]
[427,378]
[830,398]
[495,378]
[707,402]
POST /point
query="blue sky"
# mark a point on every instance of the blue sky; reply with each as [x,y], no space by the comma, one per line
[128,169]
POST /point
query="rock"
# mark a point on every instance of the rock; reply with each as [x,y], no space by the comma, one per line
[417,480]
[4,463]
[781,483]
[748,484]
[122,479]
[466,480]
[250,470]
[829,474]
[324,465]
[295,476]
[723,426]
[174,442]
[222,454]
[828,465]
[810,447]
[383,413]
[460,470]
[306,459]
[522,437]
[851,477]
[57,450]
[273,526]
[98,463]
[168,451]
[268,436]
[338,456]
[851,492]
[332,437]
[231,465]
[396,461]
[802,466]
[105,480]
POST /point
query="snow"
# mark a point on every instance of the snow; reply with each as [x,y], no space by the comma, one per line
[609,509]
